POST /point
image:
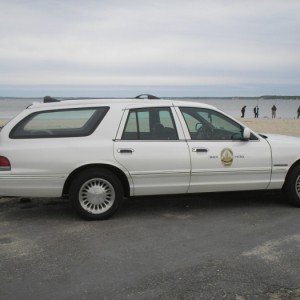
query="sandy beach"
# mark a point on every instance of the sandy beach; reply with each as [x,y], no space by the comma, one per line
[264,125]
[279,126]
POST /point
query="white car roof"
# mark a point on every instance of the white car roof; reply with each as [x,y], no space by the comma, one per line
[117,102]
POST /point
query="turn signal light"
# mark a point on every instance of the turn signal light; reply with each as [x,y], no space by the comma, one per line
[4,164]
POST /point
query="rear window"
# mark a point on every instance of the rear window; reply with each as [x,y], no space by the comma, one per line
[59,123]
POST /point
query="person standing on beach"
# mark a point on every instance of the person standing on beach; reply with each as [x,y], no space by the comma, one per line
[274,108]
[256,111]
[243,111]
[298,111]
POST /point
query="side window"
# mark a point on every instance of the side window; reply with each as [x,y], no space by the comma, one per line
[206,124]
[150,124]
[59,123]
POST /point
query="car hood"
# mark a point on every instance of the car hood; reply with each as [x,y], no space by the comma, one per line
[285,149]
[280,137]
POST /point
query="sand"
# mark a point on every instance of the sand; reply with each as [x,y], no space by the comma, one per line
[3,122]
[264,125]
[279,126]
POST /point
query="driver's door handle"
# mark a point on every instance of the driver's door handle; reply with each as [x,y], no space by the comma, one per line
[202,150]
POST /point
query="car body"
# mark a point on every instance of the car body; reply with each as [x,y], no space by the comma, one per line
[98,151]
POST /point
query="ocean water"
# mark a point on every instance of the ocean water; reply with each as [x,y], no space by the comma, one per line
[285,108]
[10,107]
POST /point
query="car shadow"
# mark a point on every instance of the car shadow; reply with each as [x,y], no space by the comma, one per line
[61,209]
[37,208]
[199,202]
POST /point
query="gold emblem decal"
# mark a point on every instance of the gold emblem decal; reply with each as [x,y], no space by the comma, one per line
[226,157]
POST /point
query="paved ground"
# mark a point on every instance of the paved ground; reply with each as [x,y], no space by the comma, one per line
[223,246]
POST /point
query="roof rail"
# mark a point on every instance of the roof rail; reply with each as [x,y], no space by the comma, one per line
[48,99]
[146,96]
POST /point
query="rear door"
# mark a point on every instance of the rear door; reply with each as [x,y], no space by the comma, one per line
[151,146]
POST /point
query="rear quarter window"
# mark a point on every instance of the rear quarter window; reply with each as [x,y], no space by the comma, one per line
[59,123]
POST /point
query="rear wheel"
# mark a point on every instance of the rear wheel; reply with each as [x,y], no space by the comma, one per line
[292,186]
[96,194]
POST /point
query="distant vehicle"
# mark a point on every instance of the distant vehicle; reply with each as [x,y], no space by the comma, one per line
[98,151]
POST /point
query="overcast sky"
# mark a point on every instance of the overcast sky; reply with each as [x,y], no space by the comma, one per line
[167,47]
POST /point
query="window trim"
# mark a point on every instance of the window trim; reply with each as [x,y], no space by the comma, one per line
[181,109]
[136,110]
[29,117]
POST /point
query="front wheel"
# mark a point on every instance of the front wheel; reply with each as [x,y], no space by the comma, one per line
[96,194]
[292,186]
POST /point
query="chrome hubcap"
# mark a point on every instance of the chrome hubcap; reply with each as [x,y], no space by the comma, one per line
[97,196]
[297,186]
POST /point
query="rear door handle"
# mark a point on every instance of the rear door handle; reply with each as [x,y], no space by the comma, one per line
[201,150]
[125,150]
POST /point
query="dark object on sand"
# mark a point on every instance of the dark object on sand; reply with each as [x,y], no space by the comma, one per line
[25,200]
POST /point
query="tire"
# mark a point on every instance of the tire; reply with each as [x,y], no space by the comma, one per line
[292,186]
[96,194]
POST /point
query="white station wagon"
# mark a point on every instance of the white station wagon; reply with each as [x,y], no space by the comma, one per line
[97,152]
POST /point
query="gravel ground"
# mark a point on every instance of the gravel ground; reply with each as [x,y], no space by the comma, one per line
[213,246]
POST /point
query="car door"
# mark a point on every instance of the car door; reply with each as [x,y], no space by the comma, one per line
[221,160]
[151,146]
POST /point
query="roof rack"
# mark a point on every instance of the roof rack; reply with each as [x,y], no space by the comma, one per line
[146,96]
[48,99]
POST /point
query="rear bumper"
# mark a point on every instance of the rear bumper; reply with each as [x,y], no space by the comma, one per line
[31,186]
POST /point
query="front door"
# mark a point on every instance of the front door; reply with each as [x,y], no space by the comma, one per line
[150,145]
[221,160]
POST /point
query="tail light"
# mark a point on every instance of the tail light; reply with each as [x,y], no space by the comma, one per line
[4,164]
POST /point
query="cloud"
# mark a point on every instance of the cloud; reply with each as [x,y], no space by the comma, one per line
[150,42]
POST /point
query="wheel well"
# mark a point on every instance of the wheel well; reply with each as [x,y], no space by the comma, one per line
[294,165]
[120,174]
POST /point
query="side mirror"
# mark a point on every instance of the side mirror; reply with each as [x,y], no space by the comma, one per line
[246,134]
